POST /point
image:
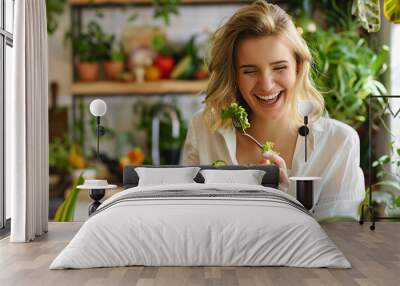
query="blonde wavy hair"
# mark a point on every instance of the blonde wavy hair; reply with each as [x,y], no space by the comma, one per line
[258,19]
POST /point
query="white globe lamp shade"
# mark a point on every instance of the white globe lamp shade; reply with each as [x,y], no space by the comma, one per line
[305,107]
[98,107]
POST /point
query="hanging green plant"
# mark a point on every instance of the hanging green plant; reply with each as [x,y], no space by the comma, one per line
[391,10]
[54,9]
[164,9]
[369,14]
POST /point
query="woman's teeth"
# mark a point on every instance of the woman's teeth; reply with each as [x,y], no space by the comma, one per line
[269,98]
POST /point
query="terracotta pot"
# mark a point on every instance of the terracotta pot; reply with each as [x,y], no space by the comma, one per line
[113,69]
[88,71]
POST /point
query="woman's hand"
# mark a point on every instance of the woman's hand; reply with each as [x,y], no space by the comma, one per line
[278,161]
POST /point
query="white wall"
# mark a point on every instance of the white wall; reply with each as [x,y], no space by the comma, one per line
[395,84]
[192,19]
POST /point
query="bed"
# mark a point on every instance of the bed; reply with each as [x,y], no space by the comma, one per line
[201,223]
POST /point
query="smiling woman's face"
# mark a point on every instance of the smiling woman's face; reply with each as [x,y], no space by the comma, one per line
[266,74]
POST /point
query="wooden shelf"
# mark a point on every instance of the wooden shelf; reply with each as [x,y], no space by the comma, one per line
[150,2]
[152,87]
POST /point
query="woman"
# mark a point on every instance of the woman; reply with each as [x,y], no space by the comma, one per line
[259,60]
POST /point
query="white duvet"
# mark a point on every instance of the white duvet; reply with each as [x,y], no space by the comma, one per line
[183,231]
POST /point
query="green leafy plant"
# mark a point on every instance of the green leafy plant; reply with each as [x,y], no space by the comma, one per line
[336,14]
[188,59]
[117,56]
[93,44]
[59,155]
[346,70]
[65,212]
[389,180]
[164,9]
[54,8]
[368,12]
[391,10]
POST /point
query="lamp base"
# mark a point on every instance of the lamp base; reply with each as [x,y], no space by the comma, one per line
[305,193]
[305,190]
[96,195]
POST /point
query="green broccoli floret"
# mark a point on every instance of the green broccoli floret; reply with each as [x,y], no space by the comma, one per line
[235,111]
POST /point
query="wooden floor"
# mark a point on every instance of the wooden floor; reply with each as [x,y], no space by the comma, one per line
[374,255]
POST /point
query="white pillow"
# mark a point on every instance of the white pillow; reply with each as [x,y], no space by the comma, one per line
[163,176]
[249,177]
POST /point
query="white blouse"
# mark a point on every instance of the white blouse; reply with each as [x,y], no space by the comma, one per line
[333,153]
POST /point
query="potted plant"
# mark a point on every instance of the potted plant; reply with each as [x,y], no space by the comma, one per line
[347,72]
[92,46]
[114,66]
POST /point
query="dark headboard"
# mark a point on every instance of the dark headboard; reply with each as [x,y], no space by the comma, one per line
[270,179]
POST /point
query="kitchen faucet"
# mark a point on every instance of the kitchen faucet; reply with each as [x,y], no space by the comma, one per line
[155,130]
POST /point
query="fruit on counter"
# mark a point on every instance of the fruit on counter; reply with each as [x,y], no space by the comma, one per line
[165,64]
[135,156]
[152,73]
[123,162]
[202,73]
[183,69]
[76,158]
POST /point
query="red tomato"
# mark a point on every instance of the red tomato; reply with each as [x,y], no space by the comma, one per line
[165,64]
[201,74]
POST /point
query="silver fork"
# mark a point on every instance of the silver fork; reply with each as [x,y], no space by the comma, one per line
[237,125]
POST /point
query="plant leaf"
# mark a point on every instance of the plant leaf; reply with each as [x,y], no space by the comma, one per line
[391,10]
[65,211]
[397,201]
[389,183]
[368,12]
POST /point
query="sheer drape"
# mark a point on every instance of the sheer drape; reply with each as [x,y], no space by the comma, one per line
[27,124]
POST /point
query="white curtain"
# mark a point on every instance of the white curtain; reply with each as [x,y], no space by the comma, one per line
[27,124]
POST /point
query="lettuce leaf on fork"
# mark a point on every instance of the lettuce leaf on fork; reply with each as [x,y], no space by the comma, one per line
[236,111]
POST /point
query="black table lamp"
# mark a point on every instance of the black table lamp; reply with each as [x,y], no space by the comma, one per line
[98,108]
